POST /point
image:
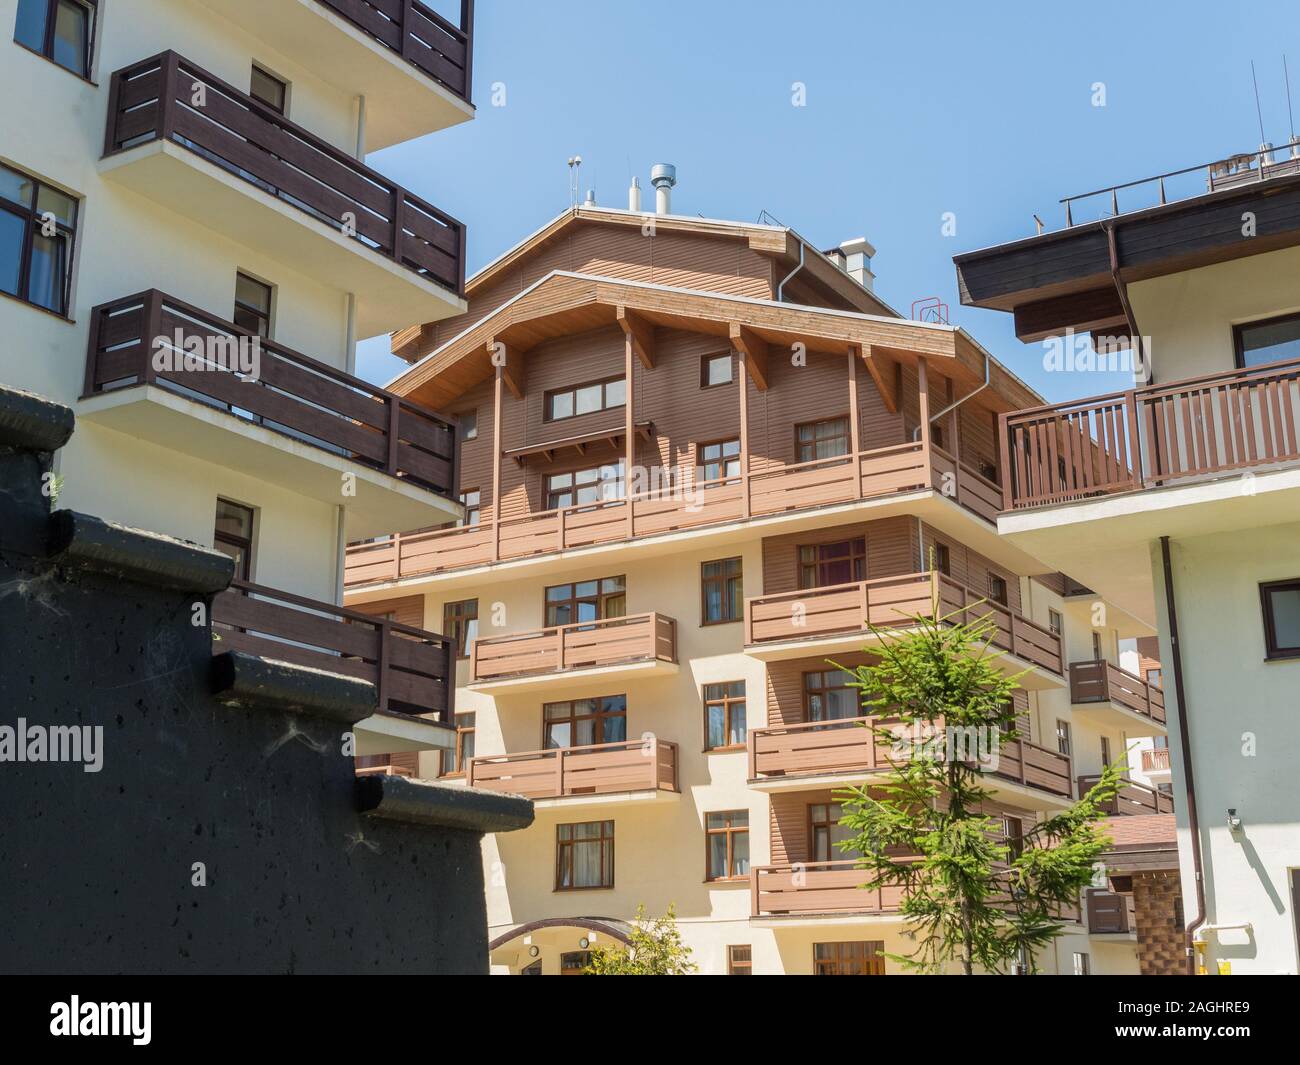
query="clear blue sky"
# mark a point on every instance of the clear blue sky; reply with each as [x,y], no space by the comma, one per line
[913,109]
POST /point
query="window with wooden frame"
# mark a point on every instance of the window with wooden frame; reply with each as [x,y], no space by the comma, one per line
[233,536]
[1013,834]
[63,31]
[574,962]
[1098,654]
[455,759]
[838,562]
[583,601]
[584,399]
[726,837]
[1105,750]
[1055,622]
[724,715]
[584,856]
[1082,964]
[997,589]
[460,624]
[253,305]
[471,500]
[718,463]
[722,591]
[943,559]
[716,370]
[828,697]
[1268,340]
[937,435]
[467,424]
[825,832]
[1280,601]
[584,722]
[585,487]
[740,960]
[1063,736]
[849,959]
[272,91]
[825,439]
[37,231]
[1153,677]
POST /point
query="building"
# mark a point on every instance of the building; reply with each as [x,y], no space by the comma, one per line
[190,245]
[1184,492]
[696,456]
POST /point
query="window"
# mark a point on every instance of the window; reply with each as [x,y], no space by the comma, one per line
[740,960]
[568,604]
[1105,750]
[252,305]
[718,462]
[60,30]
[233,536]
[828,697]
[825,565]
[1062,736]
[943,559]
[1082,967]
[585,487]
[1054,621]
[988,471]
[470,499]
[574,962]
[584,855]
[849,959]
[727,845]
[467,424]
[455,759]
[37,226]
[822,440]
[1097,653]
[1014,834]
[715,370]
[584,722]
[1153,677]
[997,589]
[825,831]
[585,399]
[1270,340]
[460,624]
[722,592]
[1281,601]
[272,91]
[936,435]
[724,715]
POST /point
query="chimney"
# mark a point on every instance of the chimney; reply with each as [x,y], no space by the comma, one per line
[634,196]
[663,176]
[857,255]
[590,201]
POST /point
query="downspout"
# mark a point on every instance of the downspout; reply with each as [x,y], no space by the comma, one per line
[1121,290]
[1193,822]
[780,289]
[916,433]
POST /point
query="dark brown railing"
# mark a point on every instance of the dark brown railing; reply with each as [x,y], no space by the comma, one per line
[168,98]
[1158,435]
[1110,914]
[1100,682]
[1132,798]
[140,340]
[419,35]
[412,669]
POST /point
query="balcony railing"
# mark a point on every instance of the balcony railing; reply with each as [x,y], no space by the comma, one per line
[584,645]
[817,887]
[848,746]
[1110,914]
[1101,682]
[891,601]
[805,485]
[597,769]
[419,35]
[142,340]
[169,98]
[1149,437]
[1155,760]
[413,670]
[1132,798]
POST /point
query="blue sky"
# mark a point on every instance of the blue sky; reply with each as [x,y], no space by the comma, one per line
[912,110]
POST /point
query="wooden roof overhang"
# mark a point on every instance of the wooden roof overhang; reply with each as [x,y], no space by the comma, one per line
[550,448]
[567,304]
[1073,278]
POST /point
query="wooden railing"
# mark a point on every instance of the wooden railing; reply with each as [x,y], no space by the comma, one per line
[849,745]
[419,35]
[413,670]
[169,98]
[817,887]
[871,474]
[1155,760]
[1132,798]
[583,645]
[965,485]
[597,769]
[1100,682]
[1158,435]
[1109,913]
[140,340]
[890,601]
[384,771]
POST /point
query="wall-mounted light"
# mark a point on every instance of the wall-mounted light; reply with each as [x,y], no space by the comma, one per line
[534,950]
[584,943]
[1234,822]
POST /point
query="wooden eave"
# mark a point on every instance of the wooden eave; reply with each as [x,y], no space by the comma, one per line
[550,448]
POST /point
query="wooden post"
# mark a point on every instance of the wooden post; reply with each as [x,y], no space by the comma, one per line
[381,680]
[1002,443]
[923,401]
[393,434]
[467,28]
[152,329]
[629,427]
[855,418]
[496,464]
[559,648]
[954,428]
[744,433]
[559,771]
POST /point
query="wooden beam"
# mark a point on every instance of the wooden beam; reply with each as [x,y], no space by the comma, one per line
[640,332]
[743,363]
[497,399]
[629,422]
[923,401]
[1098,308]
[511,365]
[754,348]
[855,417]
[888,393]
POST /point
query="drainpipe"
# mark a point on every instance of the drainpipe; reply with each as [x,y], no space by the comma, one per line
[1121,290]
[916,433]
[1193,822]
[780,289]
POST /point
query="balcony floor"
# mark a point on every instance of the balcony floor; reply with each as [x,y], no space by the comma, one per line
[574,678]
[1112,715]
[390,733]
[1003,789]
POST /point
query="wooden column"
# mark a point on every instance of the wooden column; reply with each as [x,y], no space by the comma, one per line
[923,401]
[496,463]
[629,428]
[744,433]
[855,418]
[954,424]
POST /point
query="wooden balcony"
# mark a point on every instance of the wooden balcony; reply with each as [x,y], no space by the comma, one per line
[1167,434]
[1132,798]
[413,670]
[1122,699]
[806,889]
[816,620]
[803,486]
[795,757]
[642,644]
[633,771]
[1156,761]
[1110,914]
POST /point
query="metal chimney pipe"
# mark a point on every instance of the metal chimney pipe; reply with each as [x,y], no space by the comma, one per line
[634,196]
[663,176]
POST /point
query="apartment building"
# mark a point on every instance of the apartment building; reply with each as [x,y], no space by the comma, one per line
[190,245]
[1184,492]
[697,458]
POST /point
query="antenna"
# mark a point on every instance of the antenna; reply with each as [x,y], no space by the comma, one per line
[1258,111]
[575,166]
[1289,117]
